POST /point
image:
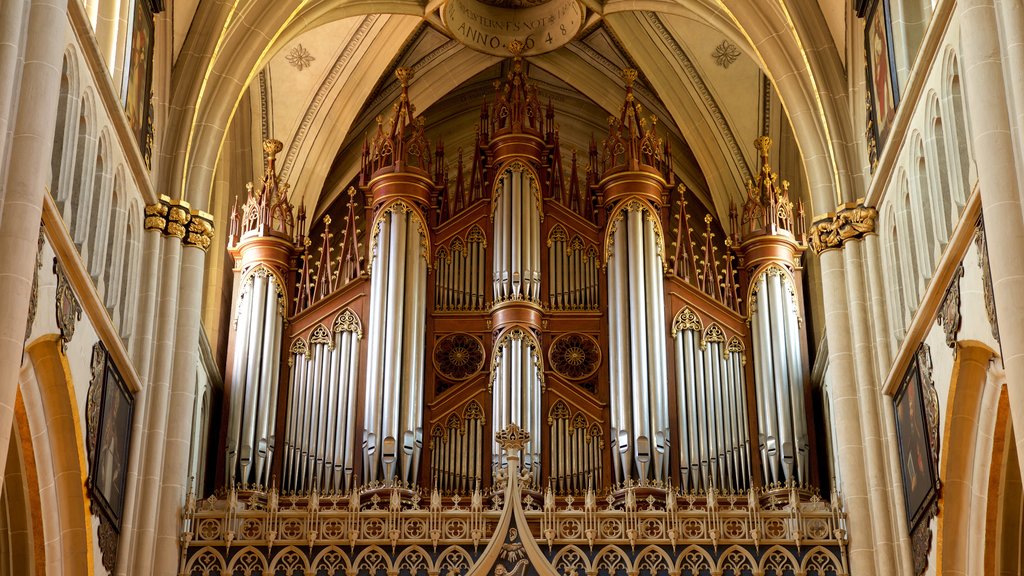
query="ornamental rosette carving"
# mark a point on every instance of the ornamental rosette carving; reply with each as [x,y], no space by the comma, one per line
[575,356]
[458,356]
[850,221]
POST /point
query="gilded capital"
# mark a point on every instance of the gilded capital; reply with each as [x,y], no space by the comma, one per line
[850,221]
[200,230]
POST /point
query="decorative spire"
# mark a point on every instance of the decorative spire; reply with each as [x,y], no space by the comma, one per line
[516,107]
[630,142]
[768,208]
[267,210]
[404,144]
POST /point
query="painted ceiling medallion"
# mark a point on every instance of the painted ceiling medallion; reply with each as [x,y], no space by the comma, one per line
[522,27]
[458,356]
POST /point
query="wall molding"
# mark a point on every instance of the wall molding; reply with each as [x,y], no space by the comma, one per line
[928,308]
[88,296]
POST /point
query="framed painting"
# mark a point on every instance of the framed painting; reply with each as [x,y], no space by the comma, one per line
[110,437]
[881,69]
[138,72]
[916,407]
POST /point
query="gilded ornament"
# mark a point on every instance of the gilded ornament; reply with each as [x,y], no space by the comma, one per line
[575,356]
[713,333]
[848,223]
[68,309]
[949,310]
[177,219]
[347,321]
[321,335]
[200,230]
[986,277]
[686,319]
[458,356]
[156,215]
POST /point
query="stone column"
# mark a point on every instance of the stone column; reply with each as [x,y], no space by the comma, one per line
[181,399]
[868,396]
[994,152]
[846,415]
[142,346]
[26,178]
[873,265]
[158,217]
[11,16]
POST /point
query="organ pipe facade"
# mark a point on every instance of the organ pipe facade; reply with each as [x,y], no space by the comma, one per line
[771,256]
[607,315]
[262,244]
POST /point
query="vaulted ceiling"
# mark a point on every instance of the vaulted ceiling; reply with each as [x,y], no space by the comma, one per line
[321,92]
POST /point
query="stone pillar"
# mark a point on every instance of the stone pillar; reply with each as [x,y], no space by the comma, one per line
[26,178]
[994,152]
[181,400]
[868,397]
[11,16]
[848,248]
[142,347]
[158,389]
[846,415]
[880,351]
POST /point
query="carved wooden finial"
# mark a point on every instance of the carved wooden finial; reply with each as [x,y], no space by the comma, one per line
[516,48]
[271,147]
[404,75]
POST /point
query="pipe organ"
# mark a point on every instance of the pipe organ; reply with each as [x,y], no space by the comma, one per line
[713,439]
[393,432]
[517,384]
[261,243]
[608,315]
[319,452]
[771,255]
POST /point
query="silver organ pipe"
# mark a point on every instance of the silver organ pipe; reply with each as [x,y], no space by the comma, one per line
[713,440]
[575,457]
[394,385]
[320,419]
[517,235]
[459,278]
[254,380]
[516,388]
[638,357]
[456,450]
[779,385]
[573,269]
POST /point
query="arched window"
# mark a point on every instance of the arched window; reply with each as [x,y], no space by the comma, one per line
[77,191]
[909,267]
[98,218]
[115,242]
[129,272]
[63,133]
[896,287]
[923,208]
[962,143]
[944,215]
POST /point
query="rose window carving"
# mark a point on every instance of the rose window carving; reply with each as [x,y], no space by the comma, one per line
[575,355]
[458,356]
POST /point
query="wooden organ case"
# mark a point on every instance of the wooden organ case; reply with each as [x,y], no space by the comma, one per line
[520,336]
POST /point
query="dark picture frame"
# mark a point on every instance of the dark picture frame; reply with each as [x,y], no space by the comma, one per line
[138,72]
[108,465]
[916,409]
[880,64]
